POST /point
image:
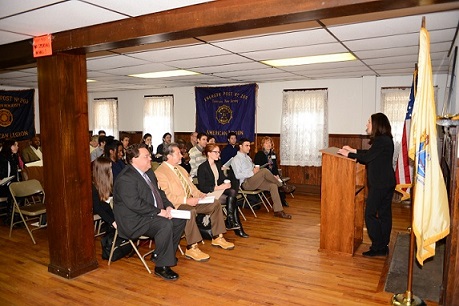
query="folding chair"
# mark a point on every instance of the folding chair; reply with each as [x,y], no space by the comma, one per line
[34,203]
[134,246]
[260,195]
[97,225]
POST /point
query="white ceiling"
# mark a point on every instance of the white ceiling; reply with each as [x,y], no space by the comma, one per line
[384,48]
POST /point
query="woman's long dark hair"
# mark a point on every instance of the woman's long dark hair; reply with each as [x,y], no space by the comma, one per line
[380,125]
[102,177]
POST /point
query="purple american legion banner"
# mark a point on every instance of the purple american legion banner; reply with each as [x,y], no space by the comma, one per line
[17,114]
[220,110]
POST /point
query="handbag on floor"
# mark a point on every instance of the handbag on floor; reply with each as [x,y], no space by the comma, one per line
[122,247]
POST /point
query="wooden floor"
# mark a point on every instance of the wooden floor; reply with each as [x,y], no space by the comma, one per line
[278,265]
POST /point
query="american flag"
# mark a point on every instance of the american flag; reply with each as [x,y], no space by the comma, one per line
[404,169]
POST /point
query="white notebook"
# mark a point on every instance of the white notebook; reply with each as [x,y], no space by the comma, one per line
[181,214]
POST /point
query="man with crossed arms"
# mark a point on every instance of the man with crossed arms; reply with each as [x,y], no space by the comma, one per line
[176,183]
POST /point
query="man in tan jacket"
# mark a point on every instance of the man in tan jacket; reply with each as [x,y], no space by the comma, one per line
[179,189]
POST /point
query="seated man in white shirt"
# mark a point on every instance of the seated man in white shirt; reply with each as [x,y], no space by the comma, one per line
[251,177]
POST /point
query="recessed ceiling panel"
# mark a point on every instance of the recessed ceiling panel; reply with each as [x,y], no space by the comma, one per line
[209,61]
[296,52]
[8,8]
[388,27]
[59,17]
[277,41]
[179,53]
[230,67]
[104,63]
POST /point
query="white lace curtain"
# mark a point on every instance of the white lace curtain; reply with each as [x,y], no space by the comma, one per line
[158,117]
[106,116]
[394,102]
[304,128]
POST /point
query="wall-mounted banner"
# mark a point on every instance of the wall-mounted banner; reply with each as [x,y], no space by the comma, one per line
[220,110]
[17,114]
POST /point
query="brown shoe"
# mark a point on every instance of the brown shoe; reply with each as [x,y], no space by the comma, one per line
[195,253]
[221,242]
[282,214]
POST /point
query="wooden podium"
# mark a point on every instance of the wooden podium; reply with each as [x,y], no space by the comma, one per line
[342,203]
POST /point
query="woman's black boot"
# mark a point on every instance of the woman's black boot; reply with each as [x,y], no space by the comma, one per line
[240,232]
[231,208]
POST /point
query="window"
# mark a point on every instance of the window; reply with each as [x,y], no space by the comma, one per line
[304,127]
[158,117]
[394,102]
[106,115]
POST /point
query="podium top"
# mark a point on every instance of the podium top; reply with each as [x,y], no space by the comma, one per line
[334,151]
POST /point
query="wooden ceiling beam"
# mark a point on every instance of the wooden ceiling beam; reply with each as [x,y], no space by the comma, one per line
[198,20]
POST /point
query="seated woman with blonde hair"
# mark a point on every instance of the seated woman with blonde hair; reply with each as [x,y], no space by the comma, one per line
[267,157]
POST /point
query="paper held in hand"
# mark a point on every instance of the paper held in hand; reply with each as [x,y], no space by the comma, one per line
[181,214]
[207,200]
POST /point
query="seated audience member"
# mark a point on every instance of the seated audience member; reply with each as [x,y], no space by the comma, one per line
[9,166]
[33,151]
[101,133]
[266,156]
[197,154]
[193,141]
[211,177]
[210,139]
[125,142]
[179,189]
[102,186]
[146,140]
[93,143]
[141,208]
[99,151]
[167,139]
[112,152]
[185,162]
[230,149]
[251,177]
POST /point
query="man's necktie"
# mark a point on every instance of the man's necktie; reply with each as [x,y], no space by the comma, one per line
[184,183]
[156,196]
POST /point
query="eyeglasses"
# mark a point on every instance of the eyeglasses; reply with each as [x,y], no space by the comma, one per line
[216,152]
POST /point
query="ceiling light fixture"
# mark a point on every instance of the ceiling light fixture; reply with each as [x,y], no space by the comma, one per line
[315,59]
[163,74]
[90,81]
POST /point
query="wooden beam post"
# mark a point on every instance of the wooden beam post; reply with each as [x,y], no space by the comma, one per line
[64,134]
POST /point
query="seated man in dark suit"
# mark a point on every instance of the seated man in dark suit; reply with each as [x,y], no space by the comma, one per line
[140,208]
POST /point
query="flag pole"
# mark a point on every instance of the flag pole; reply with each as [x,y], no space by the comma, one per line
[409,299]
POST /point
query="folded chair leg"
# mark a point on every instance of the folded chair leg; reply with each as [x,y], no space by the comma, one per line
[140,256]
[113,247]
[250,206]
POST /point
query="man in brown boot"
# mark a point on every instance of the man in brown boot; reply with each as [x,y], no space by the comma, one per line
[179,189]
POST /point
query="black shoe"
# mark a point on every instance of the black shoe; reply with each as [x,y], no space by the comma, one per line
[166,273]
[373,253]
[284,203]
[240,232]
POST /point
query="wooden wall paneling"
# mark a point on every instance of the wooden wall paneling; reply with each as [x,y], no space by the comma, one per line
[66,164]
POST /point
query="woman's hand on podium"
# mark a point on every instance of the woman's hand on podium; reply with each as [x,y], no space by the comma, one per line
[343,152]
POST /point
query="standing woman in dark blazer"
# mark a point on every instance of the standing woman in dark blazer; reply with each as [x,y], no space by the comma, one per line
[381,182]
[211,177]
